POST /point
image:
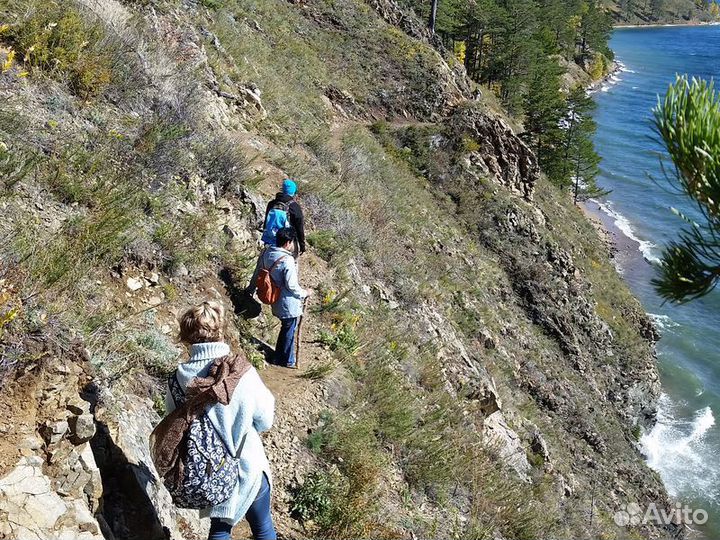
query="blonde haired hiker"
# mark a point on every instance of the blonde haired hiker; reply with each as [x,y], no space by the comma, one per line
[235,407]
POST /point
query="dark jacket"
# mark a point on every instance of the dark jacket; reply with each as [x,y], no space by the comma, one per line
[297,220]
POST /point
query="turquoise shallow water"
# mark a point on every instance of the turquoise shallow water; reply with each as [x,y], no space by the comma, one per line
[684,447]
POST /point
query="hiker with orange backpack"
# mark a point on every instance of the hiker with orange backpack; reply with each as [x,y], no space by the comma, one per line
[207,449]
[276,282]
[284,211]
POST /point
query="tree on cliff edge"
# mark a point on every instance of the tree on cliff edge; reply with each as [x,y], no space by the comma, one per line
[688,121]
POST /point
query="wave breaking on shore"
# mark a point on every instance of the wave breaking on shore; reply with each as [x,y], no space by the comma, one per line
[647,248]
[676,448]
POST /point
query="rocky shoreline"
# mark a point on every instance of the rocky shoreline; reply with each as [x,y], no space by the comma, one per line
[617,68]
[667,25]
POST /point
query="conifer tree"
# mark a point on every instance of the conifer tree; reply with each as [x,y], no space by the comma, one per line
[688,122]
[516,47]
[545,107]
[581,161]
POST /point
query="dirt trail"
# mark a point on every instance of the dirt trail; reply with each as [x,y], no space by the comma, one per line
[298,401]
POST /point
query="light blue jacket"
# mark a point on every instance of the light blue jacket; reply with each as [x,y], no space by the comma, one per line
[285,276]
[251,410]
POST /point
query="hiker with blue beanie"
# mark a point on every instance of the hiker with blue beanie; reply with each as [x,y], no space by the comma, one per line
[284,211]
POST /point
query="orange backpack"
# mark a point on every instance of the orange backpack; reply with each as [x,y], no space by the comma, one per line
[267,290]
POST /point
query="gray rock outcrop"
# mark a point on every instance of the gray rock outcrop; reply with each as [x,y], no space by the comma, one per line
[501,155]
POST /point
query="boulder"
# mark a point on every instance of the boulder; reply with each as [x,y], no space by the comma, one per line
[136,503]
[37,511]
[78,406]
[52,432]
[497,432]
[134,284]
[82,428]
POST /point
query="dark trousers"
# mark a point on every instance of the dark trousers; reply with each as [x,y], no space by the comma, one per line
[258,516]
[285,348]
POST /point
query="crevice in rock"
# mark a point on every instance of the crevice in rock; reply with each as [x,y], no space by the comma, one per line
[125,511]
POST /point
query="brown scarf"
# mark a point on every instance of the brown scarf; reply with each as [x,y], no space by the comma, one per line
[168,438]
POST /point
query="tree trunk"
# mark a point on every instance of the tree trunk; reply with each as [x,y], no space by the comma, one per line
[433,15]
[481,37]
[569,141]
[577,179]
[470,53]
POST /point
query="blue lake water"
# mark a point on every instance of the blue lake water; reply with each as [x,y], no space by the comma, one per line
[684,446]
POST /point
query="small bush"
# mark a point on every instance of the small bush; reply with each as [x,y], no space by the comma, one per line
[325,243]
[222,164]
[257,360]
[319,370]
[159,404]
[55,37]
[324,436]
[97,239]
[15,165]
[341,338]
[9,308]
[313,501]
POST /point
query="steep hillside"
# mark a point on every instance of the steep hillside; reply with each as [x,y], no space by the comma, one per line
[660,11]
[474,366]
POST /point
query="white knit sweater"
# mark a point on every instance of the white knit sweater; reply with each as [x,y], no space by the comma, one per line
[250,411]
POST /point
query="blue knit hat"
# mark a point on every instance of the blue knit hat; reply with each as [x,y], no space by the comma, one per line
[289,187]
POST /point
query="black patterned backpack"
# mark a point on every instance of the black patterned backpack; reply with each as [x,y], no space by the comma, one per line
[201,472]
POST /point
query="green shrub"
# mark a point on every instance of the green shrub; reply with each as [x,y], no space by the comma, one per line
[319,370]
[410,145]
[55,37]
[325,243]
[81,244]
[223,164]
[15,165]
[341,338]
[257,360]
[156,134]
[323,436]
[159,404]
[313,501]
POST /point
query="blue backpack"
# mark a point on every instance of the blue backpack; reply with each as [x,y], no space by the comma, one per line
[278,218]
[210,472]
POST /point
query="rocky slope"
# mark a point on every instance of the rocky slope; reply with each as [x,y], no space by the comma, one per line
[471,358]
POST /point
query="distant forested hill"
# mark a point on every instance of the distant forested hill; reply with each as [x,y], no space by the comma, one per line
[662,11]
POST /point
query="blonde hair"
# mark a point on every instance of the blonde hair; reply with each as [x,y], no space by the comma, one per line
[202,323]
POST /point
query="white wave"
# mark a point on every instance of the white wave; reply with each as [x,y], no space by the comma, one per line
[613,79]
[676,448]
[647,248]
[704,420]
[663,321]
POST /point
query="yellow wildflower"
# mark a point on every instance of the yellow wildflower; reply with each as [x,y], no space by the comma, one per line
[8,63]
